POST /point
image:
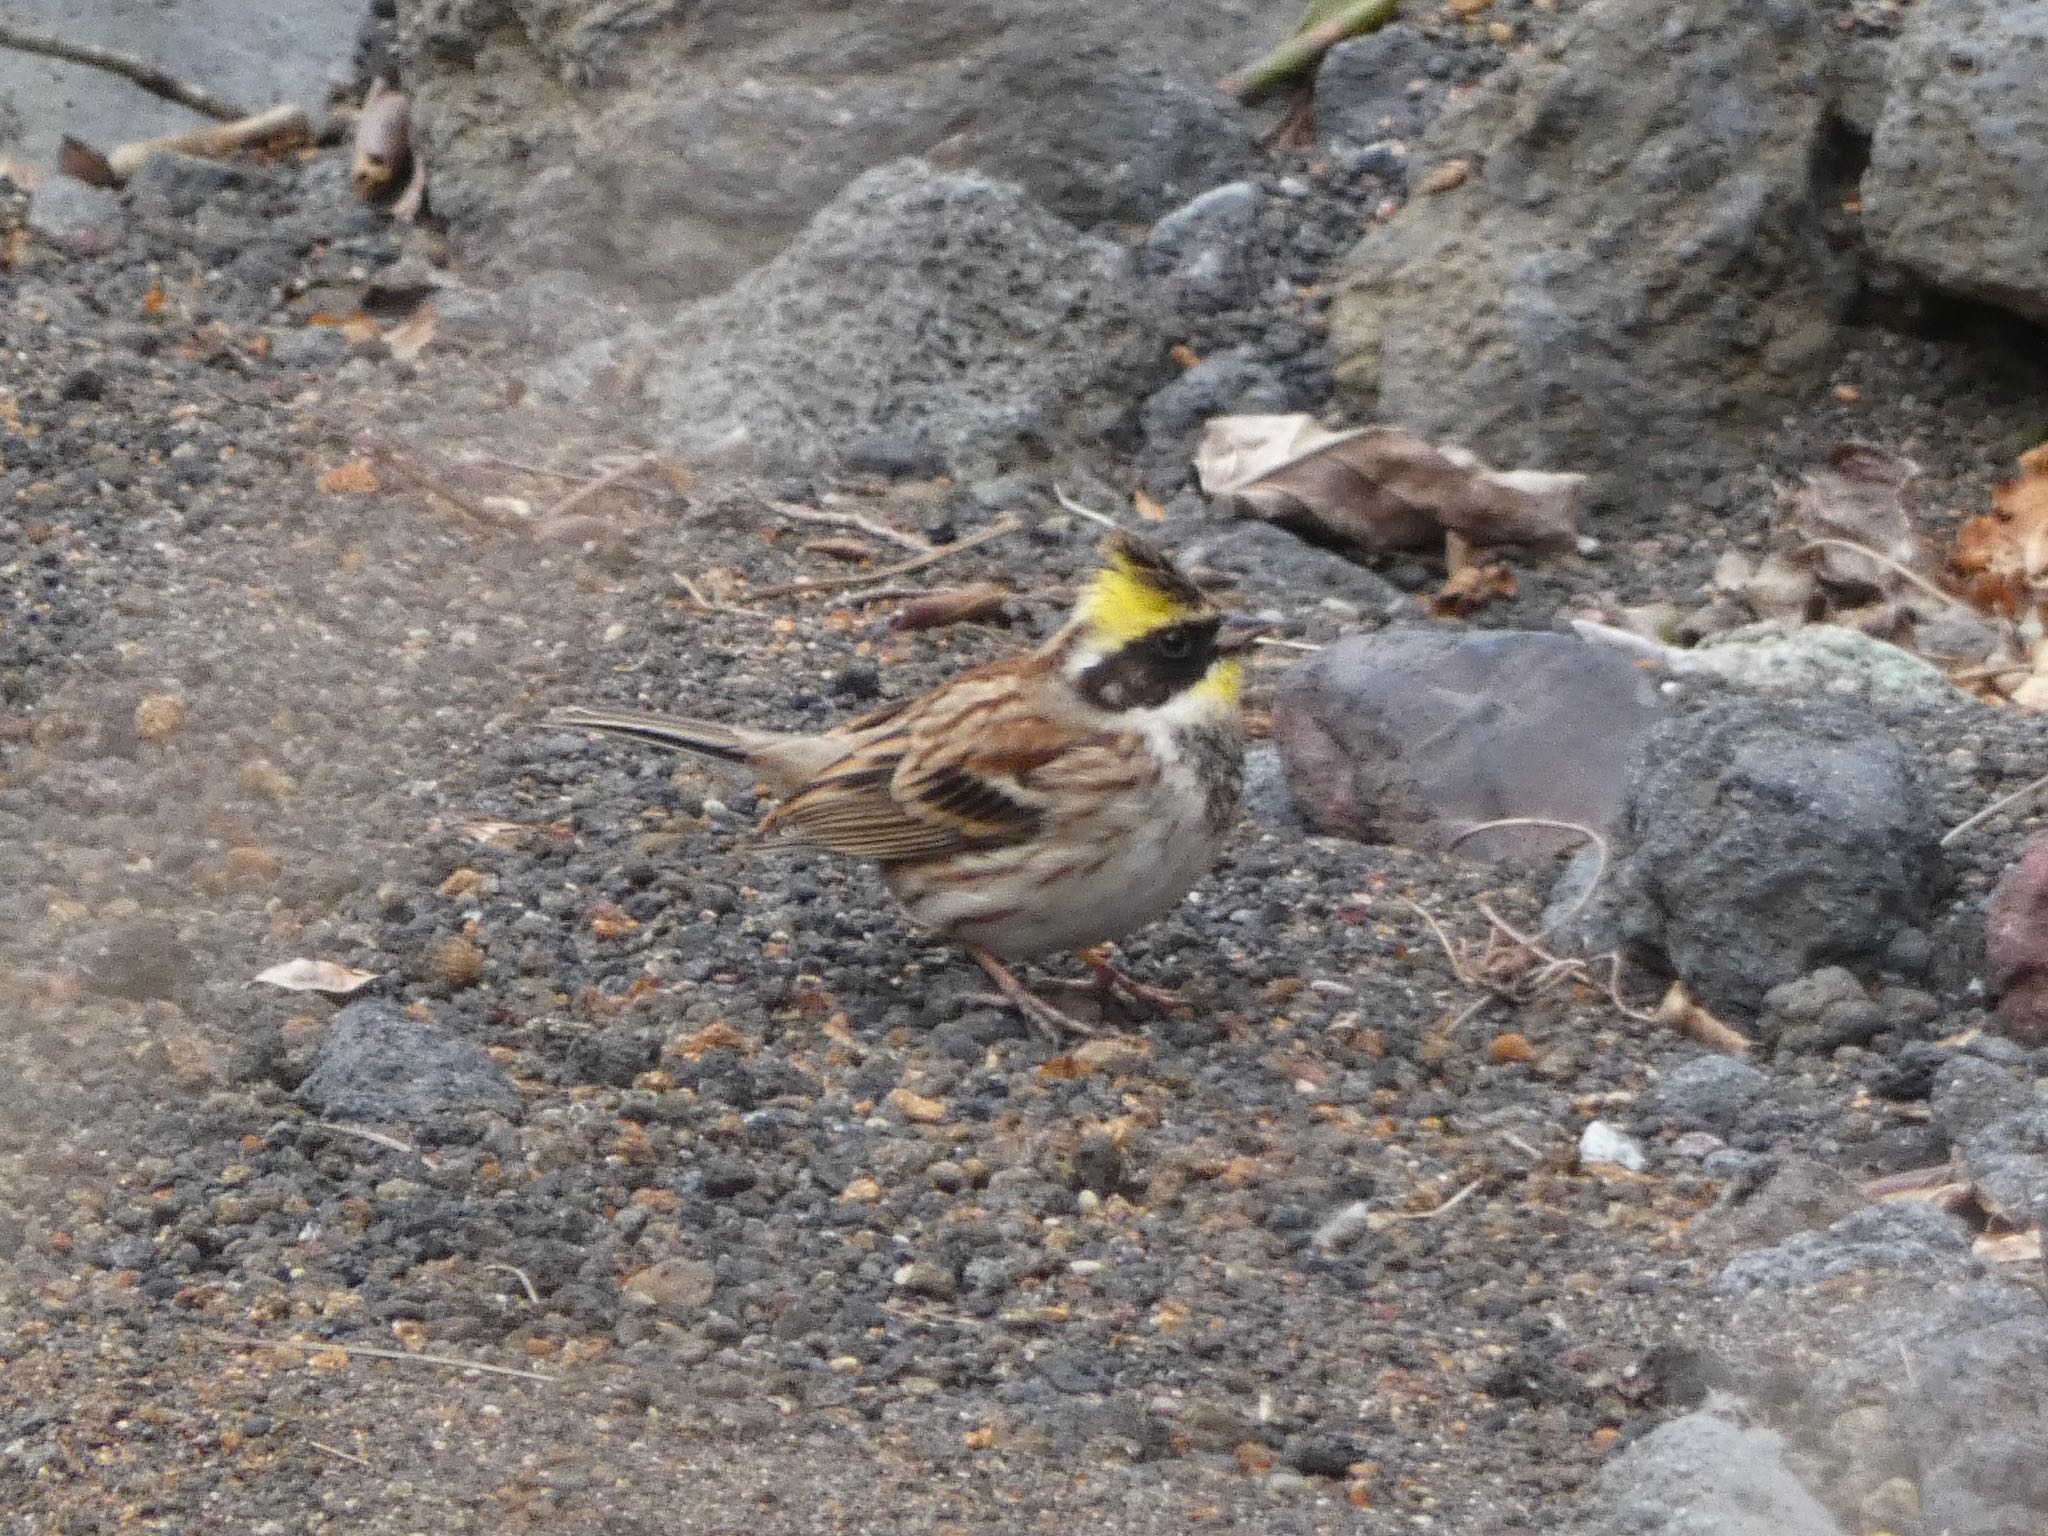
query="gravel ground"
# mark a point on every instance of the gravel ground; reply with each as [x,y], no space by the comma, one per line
[746,1171]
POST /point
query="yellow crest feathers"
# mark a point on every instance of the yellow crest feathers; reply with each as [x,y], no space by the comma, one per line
[1137,592]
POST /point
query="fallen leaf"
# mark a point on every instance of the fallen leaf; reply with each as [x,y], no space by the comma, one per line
[412,335]
[608,920]
[1380,488]
[1470,588]
[1451,173]
[81,162]
[982,603]
[1860,498]
[316,976]
[153,301]
[355,478]
[1149,507]
[2009,544]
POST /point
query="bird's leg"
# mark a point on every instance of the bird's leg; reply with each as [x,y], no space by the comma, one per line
[1114,979]
[1055,1024]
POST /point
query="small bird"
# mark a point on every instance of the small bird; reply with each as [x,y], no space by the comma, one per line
[1050,801]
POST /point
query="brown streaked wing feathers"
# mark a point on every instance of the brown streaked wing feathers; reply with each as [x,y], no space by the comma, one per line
[949,778]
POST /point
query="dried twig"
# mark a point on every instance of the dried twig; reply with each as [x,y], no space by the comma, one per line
[361,1133]
[705,604]
[337,1451]
[867,525]
[1002,527]
[283,122]
[1892,565]
[138,71]
[421,481]
[1067,503]
[1435,1211]
[1971,823]
[525,1280]
[1306,46]
[596,487]
[455,1362]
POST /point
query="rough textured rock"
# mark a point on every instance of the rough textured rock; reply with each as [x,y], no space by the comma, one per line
[377,1064]
[1198,252]
[1957,187]
[946,313]
[1820,661]
[1385,85]
[1708,1093]
[1820,1012]
[2016,946]
[1962,1378]
[1765,839]
[1704,1476]
[1634,273]
[703,136]
[1905,1237]
[2000,1131]
[1412,735]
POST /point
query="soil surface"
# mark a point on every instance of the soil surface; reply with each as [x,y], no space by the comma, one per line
[788,1229]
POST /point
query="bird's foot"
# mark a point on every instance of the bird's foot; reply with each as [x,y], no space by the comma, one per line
[1050,1021]
[1113,979]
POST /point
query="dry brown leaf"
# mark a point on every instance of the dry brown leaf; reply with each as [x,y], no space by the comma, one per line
[355,478]
[1470,588]
[1380,488]
[316,976]
[412,335]
[2008,547]
[1149,507]
[1451,173]
[81,162]
[982,603]
[1860,498]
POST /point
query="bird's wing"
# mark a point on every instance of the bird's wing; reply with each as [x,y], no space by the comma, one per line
[953,773]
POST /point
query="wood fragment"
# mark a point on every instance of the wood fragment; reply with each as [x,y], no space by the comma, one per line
[337,1451]
[404,1357]
[828,519]
[1971,823]
[591,489]
[1303,49]
[982,603]
[1694,1022]
[278,124]
[363,1133]
[157,82]
[1002,527]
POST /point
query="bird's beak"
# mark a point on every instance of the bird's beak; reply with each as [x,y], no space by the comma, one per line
[1238,633]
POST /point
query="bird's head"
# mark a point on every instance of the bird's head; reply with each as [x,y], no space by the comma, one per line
[1144,636]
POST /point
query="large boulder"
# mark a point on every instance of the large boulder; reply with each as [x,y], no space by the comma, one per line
[670,147]
[1634,272]
[1957,188]
[1704,1476]
[948,317]
[1765,839]
[1415,735]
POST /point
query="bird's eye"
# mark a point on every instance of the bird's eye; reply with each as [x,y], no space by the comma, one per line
[1173,644]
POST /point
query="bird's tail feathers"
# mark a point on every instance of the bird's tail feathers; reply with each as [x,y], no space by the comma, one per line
[678,733]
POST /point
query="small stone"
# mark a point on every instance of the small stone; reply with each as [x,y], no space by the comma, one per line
[376,1063]
[922,1278]
[455,962]
[159,717]
[1601,1143]
[1506,1049]
[676,1289]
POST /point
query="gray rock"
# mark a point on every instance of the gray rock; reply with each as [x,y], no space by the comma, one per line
[178,186]
[378,1064]
[1703,1476]
[1708,1093]
[1415,734]
[1778,1199]
[1275,571]
[1765,839]
[1633,278]
[1819,1012]
[950,312]
[1861,65]
[1229,382]
[1267,799]
[1963,1374]
[675,1289]
[76,218]
[1957,187]
[1197,252]
[670,159]
[2000,1130]
[1904,1236]
[1365,87]
[254,52]
[1820,661]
